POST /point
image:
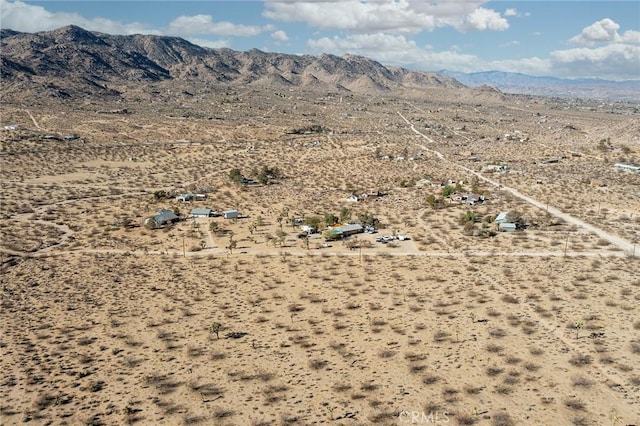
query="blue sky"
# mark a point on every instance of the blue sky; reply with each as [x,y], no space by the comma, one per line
[571,39]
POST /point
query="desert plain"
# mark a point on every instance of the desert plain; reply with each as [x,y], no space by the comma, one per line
[240,322]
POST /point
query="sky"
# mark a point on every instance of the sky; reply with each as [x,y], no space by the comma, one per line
[568,39]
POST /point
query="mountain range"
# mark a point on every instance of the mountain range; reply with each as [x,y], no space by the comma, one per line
[71,62]
[586,88]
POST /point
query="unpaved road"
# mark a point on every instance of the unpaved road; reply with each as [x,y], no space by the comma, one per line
[621,243]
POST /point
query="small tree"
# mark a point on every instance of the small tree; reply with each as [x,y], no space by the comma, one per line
[578,326]
[448,190]
[345,215]
[215,328]
[369,219]
[232,243]
[434,202]
[236,176]
[213,226]
[468,217]
[313,221]
[160,195]
[280,237]
[263,176]
[330,219]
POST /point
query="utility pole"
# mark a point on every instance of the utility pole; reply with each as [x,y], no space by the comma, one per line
[184,252]
[566,243]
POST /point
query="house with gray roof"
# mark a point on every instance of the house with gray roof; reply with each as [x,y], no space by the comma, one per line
[160,219]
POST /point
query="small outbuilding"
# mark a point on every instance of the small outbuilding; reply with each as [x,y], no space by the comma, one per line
[230,214]
[507,226]
[202,213]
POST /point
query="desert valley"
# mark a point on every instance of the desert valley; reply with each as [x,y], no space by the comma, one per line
[244,238]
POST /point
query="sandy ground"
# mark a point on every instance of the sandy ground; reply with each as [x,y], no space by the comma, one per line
[104,321]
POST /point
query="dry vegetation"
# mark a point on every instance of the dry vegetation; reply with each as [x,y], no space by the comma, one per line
[104,321]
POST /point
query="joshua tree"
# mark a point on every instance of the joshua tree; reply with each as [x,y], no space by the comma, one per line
[578,326]
[280,236]
[345,215]
[472,315]
[330,409]
[232,243]
[215,328]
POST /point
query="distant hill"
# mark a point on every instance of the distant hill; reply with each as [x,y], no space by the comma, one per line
[71,62]
[550,86]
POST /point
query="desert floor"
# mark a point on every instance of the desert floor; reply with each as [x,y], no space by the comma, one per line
[105,321]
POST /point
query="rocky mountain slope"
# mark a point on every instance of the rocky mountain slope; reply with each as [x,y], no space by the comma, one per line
[71,62]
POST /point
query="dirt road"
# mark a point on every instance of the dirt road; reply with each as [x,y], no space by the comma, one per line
[621,243]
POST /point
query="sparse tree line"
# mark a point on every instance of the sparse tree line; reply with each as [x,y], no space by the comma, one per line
[263,175]
[312,128]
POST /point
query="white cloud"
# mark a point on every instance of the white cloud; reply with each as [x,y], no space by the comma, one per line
[21,16]
[485,19]
[604,30]
[511,12]
[204,24]
[613,61]
[392,49]
[631,37]
[362,44]
[279,36]
[24,17]
[389,16]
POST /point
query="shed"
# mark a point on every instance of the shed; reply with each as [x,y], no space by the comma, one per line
[507,226]
[230,214]
[184,197]
[202,212]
